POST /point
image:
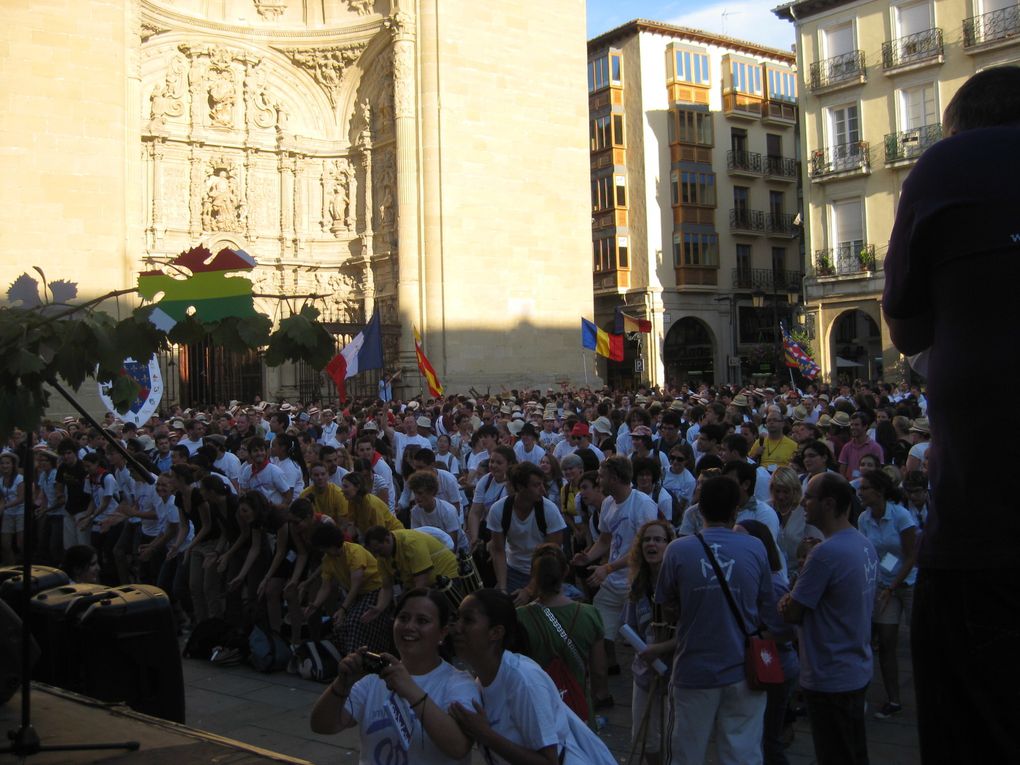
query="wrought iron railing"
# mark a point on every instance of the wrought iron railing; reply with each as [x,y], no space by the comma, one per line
[846,259]
[832,71]
[841,158]
[991,26]
[782,167]
[780,223]
[748,161]
[912,49]
[766,279]
[910,144]
[747,220]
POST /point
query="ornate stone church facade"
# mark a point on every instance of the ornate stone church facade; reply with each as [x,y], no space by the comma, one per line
[423,158]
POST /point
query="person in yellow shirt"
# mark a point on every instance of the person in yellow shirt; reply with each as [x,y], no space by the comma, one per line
[363,617]
[365,510]
[325,496]
[413,558]
[775,449]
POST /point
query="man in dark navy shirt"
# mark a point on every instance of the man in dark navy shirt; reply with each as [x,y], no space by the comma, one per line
[951,280]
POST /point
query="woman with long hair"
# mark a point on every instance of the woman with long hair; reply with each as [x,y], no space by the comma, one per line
[365,510]
[12,509]
[644,616]
[490,488]
[892,530]
[522,720]
[401,703]
[581,622]
[553,476]
[817,458]
[375,484]
[285,452]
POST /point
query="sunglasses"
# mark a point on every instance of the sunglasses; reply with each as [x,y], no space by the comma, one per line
[677,458]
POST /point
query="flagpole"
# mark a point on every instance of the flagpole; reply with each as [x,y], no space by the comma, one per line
[584,365]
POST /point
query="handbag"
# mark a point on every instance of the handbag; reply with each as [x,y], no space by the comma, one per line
[571,691]
[761,657]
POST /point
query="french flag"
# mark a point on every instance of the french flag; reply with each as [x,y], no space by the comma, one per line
[364,352]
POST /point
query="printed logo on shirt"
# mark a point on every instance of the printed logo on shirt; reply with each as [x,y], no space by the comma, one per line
[870,567]
[708,570]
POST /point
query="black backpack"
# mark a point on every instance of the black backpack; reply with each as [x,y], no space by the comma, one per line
[507,518]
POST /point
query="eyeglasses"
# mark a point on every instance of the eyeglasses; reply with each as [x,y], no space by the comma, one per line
[677,458]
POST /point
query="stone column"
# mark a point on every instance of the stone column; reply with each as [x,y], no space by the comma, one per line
[288,166]
[156,148]
[367,231]
[405,89]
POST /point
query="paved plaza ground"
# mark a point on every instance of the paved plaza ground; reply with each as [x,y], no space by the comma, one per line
[271,711]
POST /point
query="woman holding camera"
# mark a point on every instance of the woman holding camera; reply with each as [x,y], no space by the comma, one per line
[401,704]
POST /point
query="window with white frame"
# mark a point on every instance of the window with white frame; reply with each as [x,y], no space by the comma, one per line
[844,126]
[846,228]
[838,40]
[918,106]
[913,18]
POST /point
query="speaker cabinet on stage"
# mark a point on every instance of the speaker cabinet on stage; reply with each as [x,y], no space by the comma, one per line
[43,578]
[128,651]
[53,618]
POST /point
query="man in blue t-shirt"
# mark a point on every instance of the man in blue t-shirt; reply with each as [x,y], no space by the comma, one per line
[832,602]
[708,687]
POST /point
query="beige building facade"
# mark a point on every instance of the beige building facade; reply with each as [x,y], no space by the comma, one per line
[876,77]
[694,183]
[414,157]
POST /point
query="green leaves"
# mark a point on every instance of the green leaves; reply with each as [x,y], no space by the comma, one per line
[40,342]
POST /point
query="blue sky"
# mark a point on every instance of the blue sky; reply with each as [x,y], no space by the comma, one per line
[746,19]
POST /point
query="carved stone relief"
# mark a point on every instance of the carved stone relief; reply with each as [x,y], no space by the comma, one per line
[339,196]
[327,65]
[222,208]
[270,10]
[361,7]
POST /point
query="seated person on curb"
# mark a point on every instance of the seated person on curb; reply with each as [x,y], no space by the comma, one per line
[412,558]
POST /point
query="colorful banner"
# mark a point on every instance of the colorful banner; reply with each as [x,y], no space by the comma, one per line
[600,341]
[435,387]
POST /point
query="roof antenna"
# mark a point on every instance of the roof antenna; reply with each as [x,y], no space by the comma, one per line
[726,13]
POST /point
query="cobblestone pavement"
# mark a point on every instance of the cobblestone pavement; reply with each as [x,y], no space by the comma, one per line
[271,711]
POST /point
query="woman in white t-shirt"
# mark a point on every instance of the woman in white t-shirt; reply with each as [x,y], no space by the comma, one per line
[402,705]
[12,507]
[490,488]
[521,713]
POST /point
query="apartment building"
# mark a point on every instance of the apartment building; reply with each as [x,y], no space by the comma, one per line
[695,200]
[876,76]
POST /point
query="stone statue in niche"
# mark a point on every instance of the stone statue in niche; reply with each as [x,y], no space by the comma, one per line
[222,94]
[340,197]
[363,120]
[386,205]
[220,204]
[361,7]
[157,107]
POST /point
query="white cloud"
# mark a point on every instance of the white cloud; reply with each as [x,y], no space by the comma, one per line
[751,21]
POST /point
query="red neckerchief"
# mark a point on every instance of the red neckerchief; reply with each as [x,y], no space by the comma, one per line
[98,479]
[255,469]
[376,456]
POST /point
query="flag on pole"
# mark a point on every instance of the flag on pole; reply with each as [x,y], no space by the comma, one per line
[600,341]
[364,352]
[626,323]
[796,357]
[435,387]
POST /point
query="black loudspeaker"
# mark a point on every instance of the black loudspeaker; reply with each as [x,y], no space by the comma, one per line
[10,652]
[43,578]
[127,650]
[53,618]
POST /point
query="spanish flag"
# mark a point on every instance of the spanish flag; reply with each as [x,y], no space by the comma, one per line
[600,341]
[435,388]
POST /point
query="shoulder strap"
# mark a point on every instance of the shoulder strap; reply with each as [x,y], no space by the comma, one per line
[539,510]
[563,634]
[505,520]
[725,587]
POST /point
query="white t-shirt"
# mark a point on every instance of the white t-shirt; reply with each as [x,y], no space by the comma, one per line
[291,473]
[487,491]
[166,514]
[230,465]
[47,483]
[623,522]
[145,498]
[385,475]
[534,456]
[523,536]
[449,490]
[563,448]
[664,503]
[919,449]
[338,476]
[375,706]
[443,516]
[192,446]
[10,493]
[401,441]
[524,706]
[98,492]
[680,485]
[449,461]
[270,480]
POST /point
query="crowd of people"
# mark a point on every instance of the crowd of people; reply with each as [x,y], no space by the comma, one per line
[530,534]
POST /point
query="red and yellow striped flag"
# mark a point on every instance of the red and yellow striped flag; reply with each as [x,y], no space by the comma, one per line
[435,387]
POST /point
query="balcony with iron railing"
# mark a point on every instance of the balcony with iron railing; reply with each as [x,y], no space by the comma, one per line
[745,221]
[912,51]
[743,162]
[781,168]
[780,224]
[910,144]
[992,29]
[838,72]
[766,279]
[846,260]
[841,161]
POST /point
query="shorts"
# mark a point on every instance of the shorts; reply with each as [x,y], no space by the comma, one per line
[610,604]
[13,523]
[898,608]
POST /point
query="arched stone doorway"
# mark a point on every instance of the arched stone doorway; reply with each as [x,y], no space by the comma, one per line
[688,352]
[855,347]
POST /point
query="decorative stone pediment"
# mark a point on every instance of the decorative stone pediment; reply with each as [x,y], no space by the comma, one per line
[327,65]
[270,10]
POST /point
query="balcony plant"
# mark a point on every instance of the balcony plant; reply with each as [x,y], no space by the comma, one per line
[823,264]
[867,259]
